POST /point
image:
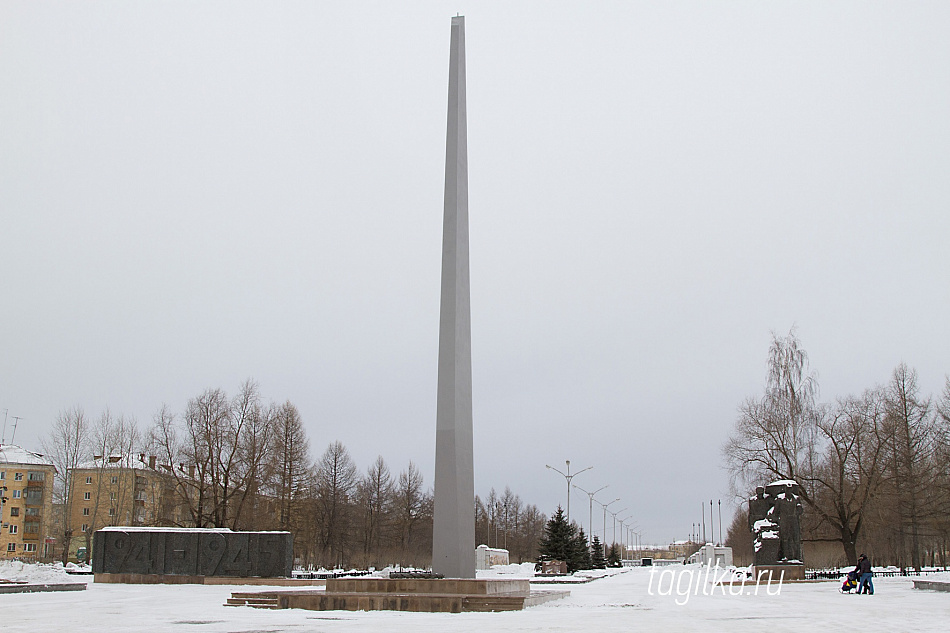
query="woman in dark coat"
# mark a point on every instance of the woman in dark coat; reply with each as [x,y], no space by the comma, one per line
[863,572]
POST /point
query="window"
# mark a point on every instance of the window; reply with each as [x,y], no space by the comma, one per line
[85,512]
[85,527]
[13,528]
[31,528]
[88,480]
[36,475]
[115,479]
[18,477]
[32,512]
[29,547]
[14,512]
[16,494]
[11,547]
[111,512]
[34,495]
[87,496]
[3,474]
[111,496]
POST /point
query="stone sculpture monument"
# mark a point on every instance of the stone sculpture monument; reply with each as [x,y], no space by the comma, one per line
[453,537]
[775,514]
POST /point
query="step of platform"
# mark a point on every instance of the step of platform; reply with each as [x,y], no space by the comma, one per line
[449,586]
[253,600]
[391,601]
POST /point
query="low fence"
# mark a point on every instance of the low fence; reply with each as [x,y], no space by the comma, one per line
[825,574]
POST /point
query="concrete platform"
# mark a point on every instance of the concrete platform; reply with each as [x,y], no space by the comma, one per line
[380,594]
[932,585]
[453,586]
[175,579]
[41,587]
[776,572]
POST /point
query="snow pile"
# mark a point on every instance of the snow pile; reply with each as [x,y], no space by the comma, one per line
[734,574]
[515,570]
[939,577]
[386,571]
[33,573]
[599,573]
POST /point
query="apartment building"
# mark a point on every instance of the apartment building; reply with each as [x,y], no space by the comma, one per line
[118,490]
[26,504]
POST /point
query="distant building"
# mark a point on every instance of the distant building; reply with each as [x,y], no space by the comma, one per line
[120,490]
[681,550]
[26,504]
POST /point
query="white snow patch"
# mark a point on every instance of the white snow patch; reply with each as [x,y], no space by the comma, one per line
[18,571]
[762,524]
[514,570]
[784,482]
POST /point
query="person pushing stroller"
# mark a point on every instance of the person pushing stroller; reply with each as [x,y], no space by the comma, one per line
[863,573]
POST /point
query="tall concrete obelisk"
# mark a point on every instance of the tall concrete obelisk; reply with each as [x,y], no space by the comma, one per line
[453,537]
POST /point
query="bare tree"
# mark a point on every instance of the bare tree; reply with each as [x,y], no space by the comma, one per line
[491,508]
[481,522]
[67,446]
[530,527]
[289,465]
[739,538]
[509,506]
[113,442]
[840,485]
[335,482]
[244,472]
[791,394]
[774,435]
[217,455]
[169,442]
[833,453]
[912,442]
[409,503]
[375,497]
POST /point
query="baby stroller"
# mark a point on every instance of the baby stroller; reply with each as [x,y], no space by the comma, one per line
[850,583]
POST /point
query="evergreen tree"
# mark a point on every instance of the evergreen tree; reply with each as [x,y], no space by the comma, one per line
[581,558]
[597,554]
[560,542]
[613,557]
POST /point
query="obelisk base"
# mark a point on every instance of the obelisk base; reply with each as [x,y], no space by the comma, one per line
[443,595]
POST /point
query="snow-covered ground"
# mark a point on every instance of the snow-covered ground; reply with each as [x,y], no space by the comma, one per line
[618,603]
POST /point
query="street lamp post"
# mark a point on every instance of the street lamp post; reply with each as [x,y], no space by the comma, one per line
[623,537]
[614,515]
[506,525]
[590,515]
[568,477]
[605,523]
[632,533]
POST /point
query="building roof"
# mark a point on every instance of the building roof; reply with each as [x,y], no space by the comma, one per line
[139,461]
[13,454]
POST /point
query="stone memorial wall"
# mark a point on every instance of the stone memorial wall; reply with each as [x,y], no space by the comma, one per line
[192,552]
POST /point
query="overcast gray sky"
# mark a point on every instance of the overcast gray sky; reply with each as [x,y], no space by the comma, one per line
[196,193]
